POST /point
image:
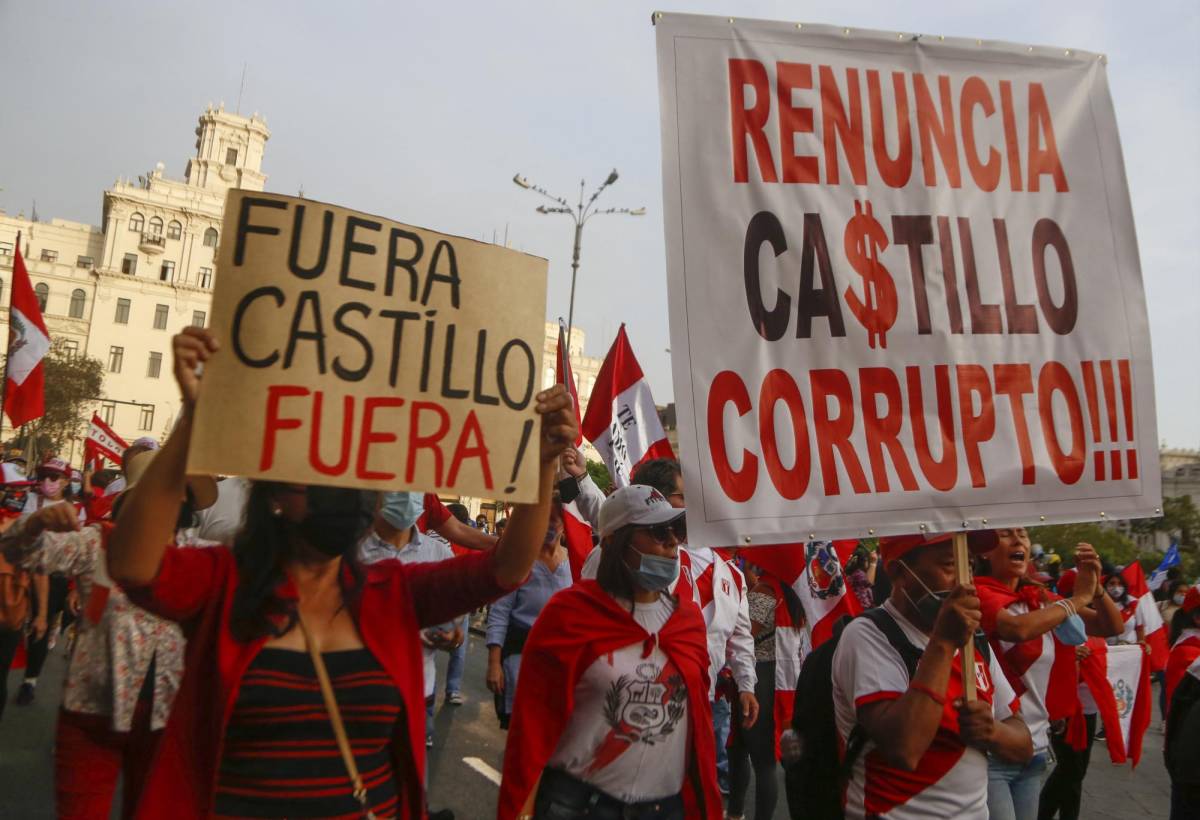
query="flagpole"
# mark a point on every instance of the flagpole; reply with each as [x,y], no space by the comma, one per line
[4,386]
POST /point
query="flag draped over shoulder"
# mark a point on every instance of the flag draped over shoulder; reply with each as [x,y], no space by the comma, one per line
[622,420]
[28,343]
[811,575]
[1147,610]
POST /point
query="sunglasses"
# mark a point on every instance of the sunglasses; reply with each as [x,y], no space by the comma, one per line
[663,532]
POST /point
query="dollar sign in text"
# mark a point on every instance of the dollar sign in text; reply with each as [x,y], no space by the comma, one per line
[864,239]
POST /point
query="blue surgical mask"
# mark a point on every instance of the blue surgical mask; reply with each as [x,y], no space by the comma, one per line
[76,487]
[402,510]
[1071,631]
[656,573]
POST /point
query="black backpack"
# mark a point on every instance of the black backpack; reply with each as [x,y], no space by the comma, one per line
[817,780]
[1181,752]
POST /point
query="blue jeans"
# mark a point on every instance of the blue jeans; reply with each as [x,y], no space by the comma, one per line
[1013,788]
[458,661]
[720,715]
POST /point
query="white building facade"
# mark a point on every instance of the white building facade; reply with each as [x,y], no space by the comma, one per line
[120,291]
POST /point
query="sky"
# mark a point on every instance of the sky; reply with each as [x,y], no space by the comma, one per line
[423,112]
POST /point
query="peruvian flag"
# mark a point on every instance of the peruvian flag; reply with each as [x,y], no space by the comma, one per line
[102,443]
[28,343]
[1119,680]
[812,573]
[1148,614]
[622,421]
[576,532]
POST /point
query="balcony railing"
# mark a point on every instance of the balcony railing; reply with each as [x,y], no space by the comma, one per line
[152,242]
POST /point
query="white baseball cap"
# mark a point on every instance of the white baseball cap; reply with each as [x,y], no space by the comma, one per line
[638,505]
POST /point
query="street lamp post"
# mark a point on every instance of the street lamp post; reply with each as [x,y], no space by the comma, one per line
[581,213]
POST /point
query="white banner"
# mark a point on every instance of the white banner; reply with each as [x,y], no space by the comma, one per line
[904,284]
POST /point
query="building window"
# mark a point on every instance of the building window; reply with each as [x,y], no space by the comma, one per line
[70,348]
[231,156]
[78,300]
[167,272]
[156,225]
[160,317]
[49,255]
[198,318]
[1,290]
[206,277]
[137,222]
[6,249]
[210,238]
[122,317]
[129,264]
[108,412]
[42,291]
[174,230]
[155,367]
[146,422]
[84,262]
[116,357]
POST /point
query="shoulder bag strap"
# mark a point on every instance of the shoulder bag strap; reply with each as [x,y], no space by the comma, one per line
[335,718]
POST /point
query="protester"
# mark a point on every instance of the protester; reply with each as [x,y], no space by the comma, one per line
[717,587]
[512,617]
[753,746]
[16,593]
[1185,642]
[456,665]
[915,746]
[1034,633]
[1181,750]
[860,575]
[611,719]
[1174,593]
[481,523]
[122,676]
[290,582]
[50,589]
[1134,630]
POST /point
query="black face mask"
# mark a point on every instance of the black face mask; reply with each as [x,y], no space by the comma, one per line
[928,605]
[337,518]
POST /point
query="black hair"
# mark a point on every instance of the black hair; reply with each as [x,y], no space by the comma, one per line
[1180,621]
[612,574]
[460,512]
[261,551]
[660,473]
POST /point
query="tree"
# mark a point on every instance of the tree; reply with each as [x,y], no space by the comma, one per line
[599,474]
[72,382]
[1179,518]
[1063,538]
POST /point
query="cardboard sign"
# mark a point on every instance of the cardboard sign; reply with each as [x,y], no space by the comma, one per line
[904,284]
[360,352]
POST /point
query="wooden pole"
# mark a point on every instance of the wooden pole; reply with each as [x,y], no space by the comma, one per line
[962,569]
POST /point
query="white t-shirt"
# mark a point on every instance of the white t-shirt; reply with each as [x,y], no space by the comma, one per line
[951,778]
[1135,619]
[1036,680]
[628,732]
[221,522]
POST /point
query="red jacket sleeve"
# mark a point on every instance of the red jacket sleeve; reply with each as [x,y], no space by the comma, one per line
[443,590]
[187,579]
[990,604]
[436,513]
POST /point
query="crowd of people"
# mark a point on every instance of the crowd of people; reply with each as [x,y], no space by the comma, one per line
[259,649]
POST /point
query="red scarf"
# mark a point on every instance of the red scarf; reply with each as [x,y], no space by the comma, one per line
[579,625]
[1062,697]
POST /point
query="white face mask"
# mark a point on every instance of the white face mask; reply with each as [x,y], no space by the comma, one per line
[1178,599]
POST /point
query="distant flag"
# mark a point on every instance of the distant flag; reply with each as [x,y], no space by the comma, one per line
[1152,622]
[563,373]
[576,531]
[1170,559]
[622,420]
[28,343]
[103,443]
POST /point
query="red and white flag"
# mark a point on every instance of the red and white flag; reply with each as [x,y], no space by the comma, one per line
[576,531]
[1119,679]
[622,421]
[1148,614]
[28,343]
[813,571]
[103,443]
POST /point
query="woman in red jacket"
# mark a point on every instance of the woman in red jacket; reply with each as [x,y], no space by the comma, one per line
[250,735]
[612,718]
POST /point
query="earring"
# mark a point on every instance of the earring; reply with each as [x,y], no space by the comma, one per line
[276,511]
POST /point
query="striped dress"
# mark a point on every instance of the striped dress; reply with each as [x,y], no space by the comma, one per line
[281,757]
